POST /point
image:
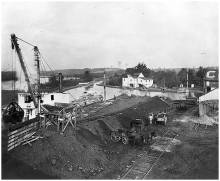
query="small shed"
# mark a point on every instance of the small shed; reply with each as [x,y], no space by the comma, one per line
[208,103]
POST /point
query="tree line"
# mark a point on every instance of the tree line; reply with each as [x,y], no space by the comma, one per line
[9,75]
[167,78]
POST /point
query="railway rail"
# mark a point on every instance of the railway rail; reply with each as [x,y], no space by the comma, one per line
[145,161]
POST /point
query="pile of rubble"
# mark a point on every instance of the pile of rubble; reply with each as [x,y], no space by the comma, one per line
[88,99]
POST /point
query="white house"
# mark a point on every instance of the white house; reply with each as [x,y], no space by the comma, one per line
[30,112]
[137,80]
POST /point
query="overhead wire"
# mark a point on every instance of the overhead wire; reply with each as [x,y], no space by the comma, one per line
[23,57]
[28,70]
[53,70]
[14,76]
[42,67]
[30,75]
[12,66]
[20,77]
[26,42]
[43,60]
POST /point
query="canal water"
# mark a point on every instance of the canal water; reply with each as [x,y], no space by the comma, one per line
[111,92]
[78,92]
[19,85]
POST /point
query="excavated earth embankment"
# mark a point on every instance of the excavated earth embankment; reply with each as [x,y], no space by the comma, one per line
[88,151]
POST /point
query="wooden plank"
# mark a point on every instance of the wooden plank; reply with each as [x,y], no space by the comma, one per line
[20,136]
[18,139]
[20,125]
[22,132]
[20,129]
[17,143]
[13,146]
[17,136]
[34,139]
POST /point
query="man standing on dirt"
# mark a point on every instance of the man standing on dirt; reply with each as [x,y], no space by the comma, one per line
[76,114]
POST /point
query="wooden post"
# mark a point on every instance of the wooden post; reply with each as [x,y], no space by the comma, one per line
[60,82]
[36,55]
[104,87]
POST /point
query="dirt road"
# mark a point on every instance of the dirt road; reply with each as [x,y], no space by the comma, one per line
[195,158]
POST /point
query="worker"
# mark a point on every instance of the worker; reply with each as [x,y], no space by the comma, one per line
[74,115]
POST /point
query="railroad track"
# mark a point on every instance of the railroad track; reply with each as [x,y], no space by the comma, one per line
[145,162]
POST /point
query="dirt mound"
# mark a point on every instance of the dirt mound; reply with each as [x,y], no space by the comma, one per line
[101,128]
[71,155]
[154,104]
[85,152]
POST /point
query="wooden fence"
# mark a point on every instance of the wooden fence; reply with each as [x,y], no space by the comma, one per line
[18,134]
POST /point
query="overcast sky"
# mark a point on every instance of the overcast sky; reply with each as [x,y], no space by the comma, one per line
[102,34]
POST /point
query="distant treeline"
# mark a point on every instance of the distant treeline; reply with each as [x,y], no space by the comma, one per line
[168,78]
[9,75]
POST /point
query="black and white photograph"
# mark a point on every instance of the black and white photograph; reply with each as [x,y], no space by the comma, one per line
[116,90]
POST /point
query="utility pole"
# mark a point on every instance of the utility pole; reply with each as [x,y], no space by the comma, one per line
[37,59]
[18,50]
[60,82]
[104,86]
[187,84]
[164,83]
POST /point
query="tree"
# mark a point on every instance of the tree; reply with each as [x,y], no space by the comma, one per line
[165,78]
[182,76]
[115,80]
[53,80]
[130,71]
[140,68]
[9,75]
[87,77]
[200,74]
[192,78]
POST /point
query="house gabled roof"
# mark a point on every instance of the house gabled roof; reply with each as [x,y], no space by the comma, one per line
[213,95]
[135,75]
[145,78]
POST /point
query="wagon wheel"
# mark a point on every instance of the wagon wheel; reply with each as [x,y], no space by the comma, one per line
[115,137]
[124,139]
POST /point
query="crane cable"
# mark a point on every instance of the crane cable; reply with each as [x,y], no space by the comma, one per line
[53,70]
[42,68]
[25,42]
[43,60]
[28,70]
[13,74]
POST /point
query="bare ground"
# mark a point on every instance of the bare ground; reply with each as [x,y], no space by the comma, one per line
[88,153]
